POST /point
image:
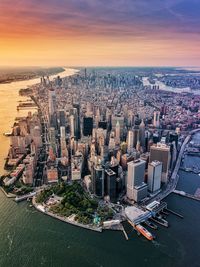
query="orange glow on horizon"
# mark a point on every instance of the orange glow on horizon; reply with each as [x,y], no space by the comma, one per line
[49,37]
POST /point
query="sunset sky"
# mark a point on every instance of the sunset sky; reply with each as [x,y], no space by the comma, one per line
[100,32]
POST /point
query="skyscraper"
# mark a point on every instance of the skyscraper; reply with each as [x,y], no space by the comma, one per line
[156,119]
[111,184]
[98,181]
[161,152]
[142,133]
[117,133]
[154,175]
[135,178]
[87,126]
[130,141]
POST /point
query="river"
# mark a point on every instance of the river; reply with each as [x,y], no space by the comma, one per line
[28,238]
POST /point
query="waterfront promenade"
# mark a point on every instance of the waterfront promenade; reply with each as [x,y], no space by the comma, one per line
[171,186]
[65,219]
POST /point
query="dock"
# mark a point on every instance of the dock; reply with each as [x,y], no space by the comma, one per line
[159,222]
[175,213]
[125,234]
[184,194]
[24,197]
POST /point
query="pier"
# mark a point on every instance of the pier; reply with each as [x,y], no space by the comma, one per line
[175,213]
[184,194]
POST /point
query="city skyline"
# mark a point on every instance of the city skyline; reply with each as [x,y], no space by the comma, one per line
[100,33]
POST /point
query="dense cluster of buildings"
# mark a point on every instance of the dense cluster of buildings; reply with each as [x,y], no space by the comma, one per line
[107,130]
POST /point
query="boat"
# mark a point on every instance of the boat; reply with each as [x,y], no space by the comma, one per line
[7,134]
[151,225]
[144,232]
[160,220]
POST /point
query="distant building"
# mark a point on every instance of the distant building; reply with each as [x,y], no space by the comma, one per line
[156,119]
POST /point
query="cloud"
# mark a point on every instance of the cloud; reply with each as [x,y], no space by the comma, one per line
[138,18]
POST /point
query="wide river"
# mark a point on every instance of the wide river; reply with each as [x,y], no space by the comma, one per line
[31,239]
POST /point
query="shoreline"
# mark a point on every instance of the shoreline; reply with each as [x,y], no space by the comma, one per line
[8,195]
[37,76]
[66,220]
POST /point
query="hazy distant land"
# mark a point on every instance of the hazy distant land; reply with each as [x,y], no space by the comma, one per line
[8,75]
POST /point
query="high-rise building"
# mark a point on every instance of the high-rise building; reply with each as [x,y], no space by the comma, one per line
[142,133]
[52,175]
[117,133]
[111,184]
[37,136]
[156,119]
[161,152]
[136,171]
[78,132]
[130,141]
[98,181]
[87,126]
[154,176]
[75,113]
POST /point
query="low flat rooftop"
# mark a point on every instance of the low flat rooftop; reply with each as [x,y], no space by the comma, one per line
[136,215]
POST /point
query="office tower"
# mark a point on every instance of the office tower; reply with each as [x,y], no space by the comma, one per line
[98,180]
[130,118]
[154,175]
[130,141]
[52,100]
[136,170]
[156,119]
[155,138]
[114,165]
[142,133]
[76,166]
[117,133]
[63,145]
[111,184]
[62,118]
[173,137]
[36,135]
[120,120]
[135,180]
[74,113]
[135,135]
[52,108]
[173,154]
[102,124]
[52,139]
[77,106]
[72,127]
[140,192]
[111,144]
[52,175]
[18,143]
[87,126]
[28,173]
[161,152]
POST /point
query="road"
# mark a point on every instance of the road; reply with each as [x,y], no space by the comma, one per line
[174,177]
